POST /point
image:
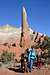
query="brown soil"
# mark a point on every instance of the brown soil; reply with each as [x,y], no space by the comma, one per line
[42,71]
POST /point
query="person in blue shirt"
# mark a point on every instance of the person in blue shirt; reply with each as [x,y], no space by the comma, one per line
[31,58]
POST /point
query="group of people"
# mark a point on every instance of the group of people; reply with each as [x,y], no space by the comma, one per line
[28,59]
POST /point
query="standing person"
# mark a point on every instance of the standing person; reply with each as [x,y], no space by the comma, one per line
[22,62]
[31,58]
[39,62]
[24,67]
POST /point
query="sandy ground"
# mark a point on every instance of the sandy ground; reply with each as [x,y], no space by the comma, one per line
[42,71]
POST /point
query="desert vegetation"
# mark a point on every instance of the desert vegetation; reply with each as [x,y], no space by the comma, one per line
[6,58]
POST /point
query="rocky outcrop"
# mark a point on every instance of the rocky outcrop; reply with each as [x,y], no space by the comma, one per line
[25,40]
[18,39]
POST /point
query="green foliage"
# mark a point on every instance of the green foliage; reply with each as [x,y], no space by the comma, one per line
[7,56]
[45,45]
[48,46]
[0,65]
[49,38]
[47,55]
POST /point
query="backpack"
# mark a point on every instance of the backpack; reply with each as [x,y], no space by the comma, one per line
[33,55]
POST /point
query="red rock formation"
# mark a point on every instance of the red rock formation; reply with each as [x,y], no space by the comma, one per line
[25,40]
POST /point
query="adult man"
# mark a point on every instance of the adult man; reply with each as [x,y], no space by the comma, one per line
[24,67]
[31,58]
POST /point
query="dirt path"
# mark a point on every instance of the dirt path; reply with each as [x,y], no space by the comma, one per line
[4,71]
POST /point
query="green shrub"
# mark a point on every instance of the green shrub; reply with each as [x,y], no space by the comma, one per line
[7,56]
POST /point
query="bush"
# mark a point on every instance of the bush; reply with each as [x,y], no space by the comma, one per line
[7,56]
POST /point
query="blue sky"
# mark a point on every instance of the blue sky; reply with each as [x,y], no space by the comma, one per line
[38,12]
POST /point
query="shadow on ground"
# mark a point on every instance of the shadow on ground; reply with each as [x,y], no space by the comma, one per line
[16,69]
